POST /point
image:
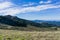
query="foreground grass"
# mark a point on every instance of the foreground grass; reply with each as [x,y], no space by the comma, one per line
[29,35]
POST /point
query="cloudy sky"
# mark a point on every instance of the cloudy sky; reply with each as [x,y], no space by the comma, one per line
[31,9]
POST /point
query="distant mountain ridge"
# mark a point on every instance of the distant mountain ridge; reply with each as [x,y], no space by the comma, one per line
[50,22]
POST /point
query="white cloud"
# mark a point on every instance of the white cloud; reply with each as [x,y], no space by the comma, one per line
[17,10]
[38,8]
[8,8]
[10,11]
[29,4]
[49,1]
[4,5]
[43,2]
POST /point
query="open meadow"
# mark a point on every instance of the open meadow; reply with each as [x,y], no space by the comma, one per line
[29,35]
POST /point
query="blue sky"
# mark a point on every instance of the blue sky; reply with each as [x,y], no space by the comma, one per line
[31,9]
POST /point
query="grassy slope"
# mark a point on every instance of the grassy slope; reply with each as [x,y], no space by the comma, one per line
[29,35]
[28,28]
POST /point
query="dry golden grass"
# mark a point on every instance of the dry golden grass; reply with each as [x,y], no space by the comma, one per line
[29,35]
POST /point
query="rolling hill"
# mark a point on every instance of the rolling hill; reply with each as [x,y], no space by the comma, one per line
[13,22]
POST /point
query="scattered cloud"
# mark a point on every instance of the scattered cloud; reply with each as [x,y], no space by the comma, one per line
[5,5]
[10,11]
[29,4]
[45,2]
[38,8]
[8,8]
